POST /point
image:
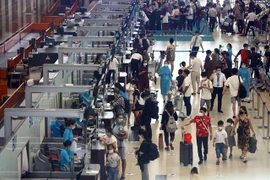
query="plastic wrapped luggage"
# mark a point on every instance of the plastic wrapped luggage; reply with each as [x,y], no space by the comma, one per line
[186,154]
[179,105]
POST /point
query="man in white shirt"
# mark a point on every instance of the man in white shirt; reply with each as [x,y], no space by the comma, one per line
[196,42]
[212,13]
[113,70]
[218,79]
[196,68]
[136,60]
[187,92]
[233,83]
[251,17]
[189,18]
[206,88]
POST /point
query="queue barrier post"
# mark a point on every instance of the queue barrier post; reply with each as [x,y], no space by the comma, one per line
[268,129]
[263,119]
[258,107]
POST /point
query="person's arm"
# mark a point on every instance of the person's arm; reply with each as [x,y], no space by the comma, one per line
[234,126]
[214,140]
[192,42]
[187,124]
[239,52]
[225,87]
[67,157]
[118,164]
[202,46]
[210,130]
[251,126]
[122,137]
[104,140]
[175,116]
[212,75]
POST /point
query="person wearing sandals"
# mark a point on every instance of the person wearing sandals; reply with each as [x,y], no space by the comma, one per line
[167,113]
[243,131]
[231,139]
[220,142]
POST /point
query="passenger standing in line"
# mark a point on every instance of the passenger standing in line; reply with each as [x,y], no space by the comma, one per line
[129,93]
[218,79]
[213,17]
[121,142]
[142,154]
[170,54]
[165,80]
[137,105]
[196,68]
[207,61]
[65,156]
[213,63]
[226,64]
[143,76]
[206,88]
[187,92]
[146,114]
[196,42]
[136,60]
[113,71]
[113,163]
[254,59]
[244,73]
[118,104]
[231,139]
[109,138]
[203,131]
[243,131]
[189,18]
[229,50]
[68,134]
[167,113]
[233,83]
[180,80]
[267,58]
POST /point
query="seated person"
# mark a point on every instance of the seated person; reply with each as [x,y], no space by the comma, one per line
[65,156]
[85,98]
[68,134]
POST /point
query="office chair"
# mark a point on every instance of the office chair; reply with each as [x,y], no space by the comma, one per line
[51,152]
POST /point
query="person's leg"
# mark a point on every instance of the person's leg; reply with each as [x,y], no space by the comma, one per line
[248,26]
[219,91]
[149,129]
[188,106]
[193,80]
[166,138]
[223,148]
[213,98]
[172,136]
[217,152]
[124,165]
[199,147]
[172,66]
[208,104]
[186,102]
[233,101]
[198,81]
[145,174]
[257,73]
[205,147]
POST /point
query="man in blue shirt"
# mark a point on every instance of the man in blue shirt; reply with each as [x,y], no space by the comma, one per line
[65,156]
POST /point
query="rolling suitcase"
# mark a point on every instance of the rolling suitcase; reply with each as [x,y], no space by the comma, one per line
[186,154]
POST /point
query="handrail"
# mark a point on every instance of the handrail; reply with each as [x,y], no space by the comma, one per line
[11,102]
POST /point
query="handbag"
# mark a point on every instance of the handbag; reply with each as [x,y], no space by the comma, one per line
[252,144]
[242,92]
[73,146]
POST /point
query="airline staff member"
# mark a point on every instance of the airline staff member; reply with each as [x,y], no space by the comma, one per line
[68,134]
[65,156]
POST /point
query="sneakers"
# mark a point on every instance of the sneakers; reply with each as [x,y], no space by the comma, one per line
[224,159]
[242,156]
[217,163]
[167,148]
[200,162]
[205,157]
[245,160]
[230,156]
[171,145]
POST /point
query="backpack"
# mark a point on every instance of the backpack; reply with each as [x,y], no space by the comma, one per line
[155,110]
[242,92]
[153,153]
[171,124]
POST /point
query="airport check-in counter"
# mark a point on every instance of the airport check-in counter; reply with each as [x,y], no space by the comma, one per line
[92,41]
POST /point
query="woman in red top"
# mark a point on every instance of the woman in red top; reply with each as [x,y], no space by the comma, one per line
[143,77]
[203,131]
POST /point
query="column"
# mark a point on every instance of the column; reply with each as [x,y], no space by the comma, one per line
[3,17]
[33,11]
[45,7]
[10,16]
[19,12]
[24,12]
[38,11]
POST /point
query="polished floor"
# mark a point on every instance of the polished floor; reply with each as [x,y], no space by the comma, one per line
[168,166]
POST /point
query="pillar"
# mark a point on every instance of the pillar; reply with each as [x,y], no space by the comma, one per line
[3,18]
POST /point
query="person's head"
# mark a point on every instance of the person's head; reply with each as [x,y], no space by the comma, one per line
[218,69]
[197,33]
[169,107]
[243,65]
[243,110]
[110,148]
[266,48]
[208,52]
[145,95]
[229,46]
[253,49]
[180,71]
[204,75]
[216,51]
[134,83]
[116,92]
[119,86]
[245,46]
[143,134]
[183,64]
[194,170]
[109,132]
[186,72]
[220,125]
[120,119]
[224,54]
[71,123]
[171,40]
[192,55]
[166,64]
[67,144]
[202,111]
[230,122]
[234,71]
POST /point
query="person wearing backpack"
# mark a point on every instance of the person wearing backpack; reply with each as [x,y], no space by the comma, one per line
[118,104]
[168,124]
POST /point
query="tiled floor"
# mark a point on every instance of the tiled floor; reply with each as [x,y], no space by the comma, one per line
[168,166]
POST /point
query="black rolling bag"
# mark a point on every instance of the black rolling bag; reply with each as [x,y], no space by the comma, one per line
[186,154]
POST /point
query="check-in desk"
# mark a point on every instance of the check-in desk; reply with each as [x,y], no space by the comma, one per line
[61,39]
[91,174]
[98,156]
[107,118]
[70,30]
[126,65]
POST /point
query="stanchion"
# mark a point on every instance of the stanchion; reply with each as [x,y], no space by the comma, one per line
[263,112]
[258,107]
[268,124]
[253,100]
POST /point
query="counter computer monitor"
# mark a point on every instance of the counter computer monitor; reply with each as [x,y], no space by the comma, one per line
[70,24]
[50,42]
[60,31]
[77,17]
[82,10]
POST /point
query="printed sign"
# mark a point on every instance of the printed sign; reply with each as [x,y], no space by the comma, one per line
[14,142]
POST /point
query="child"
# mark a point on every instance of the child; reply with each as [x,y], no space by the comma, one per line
[113,163]
[231,139]
[194,174]
[220,141]
[206,88]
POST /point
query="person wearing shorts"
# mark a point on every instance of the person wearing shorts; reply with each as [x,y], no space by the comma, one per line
[121,134]
[206,88]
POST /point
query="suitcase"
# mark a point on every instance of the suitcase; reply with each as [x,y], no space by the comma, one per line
[186,154]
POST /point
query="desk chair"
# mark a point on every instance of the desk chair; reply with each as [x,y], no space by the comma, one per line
[51,152]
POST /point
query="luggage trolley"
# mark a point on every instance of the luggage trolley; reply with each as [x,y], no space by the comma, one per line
[179,105]
[154,66]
